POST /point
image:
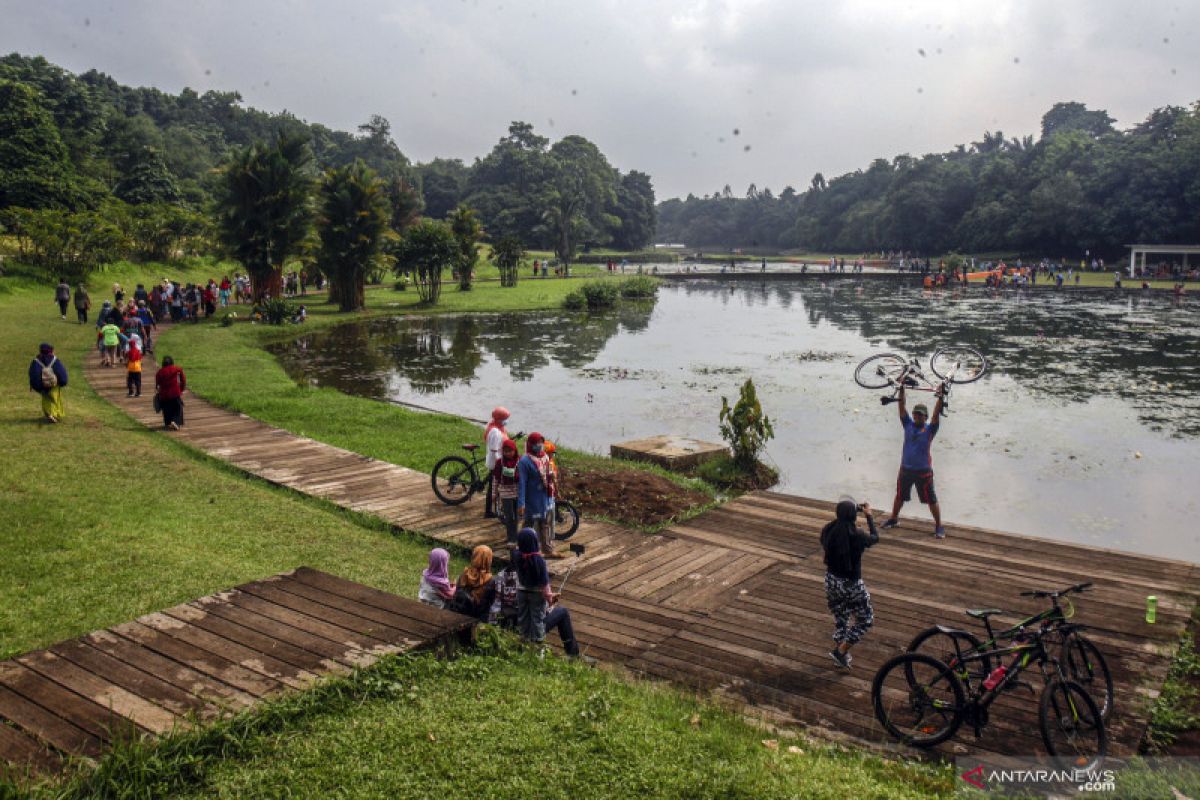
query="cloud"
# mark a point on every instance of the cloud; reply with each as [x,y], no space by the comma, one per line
[809,86]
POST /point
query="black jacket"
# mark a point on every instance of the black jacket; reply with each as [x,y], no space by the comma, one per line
[844,544]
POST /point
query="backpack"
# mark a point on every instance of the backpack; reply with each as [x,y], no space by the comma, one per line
[49,379]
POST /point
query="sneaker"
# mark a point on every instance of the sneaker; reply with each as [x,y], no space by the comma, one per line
[939,532]
[173,426]
[890,523]
[840,658]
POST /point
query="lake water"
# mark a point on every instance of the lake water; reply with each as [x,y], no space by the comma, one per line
[1086,429]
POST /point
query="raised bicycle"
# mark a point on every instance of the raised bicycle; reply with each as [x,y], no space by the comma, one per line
[952,366]
[1080,658]
[922,701]
[455,480]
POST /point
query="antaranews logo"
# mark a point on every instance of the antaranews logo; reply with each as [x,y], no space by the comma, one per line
[1022,775]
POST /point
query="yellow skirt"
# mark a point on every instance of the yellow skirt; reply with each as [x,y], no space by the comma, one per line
[52,404]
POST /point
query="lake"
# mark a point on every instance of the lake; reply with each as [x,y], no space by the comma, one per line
[1084,430]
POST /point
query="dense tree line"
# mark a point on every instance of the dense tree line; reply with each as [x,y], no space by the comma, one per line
[1082,184]
[80,142]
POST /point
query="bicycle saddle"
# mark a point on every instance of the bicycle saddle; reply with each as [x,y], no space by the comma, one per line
[983,613]
[470,448]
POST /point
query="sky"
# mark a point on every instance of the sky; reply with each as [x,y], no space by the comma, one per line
[697,94]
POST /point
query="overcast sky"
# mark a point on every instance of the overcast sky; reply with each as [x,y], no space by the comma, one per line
[697,94]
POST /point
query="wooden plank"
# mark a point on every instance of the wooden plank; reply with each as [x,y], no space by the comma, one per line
[143,684]
[96,720]
[303,664]
[25,755]
[47,725]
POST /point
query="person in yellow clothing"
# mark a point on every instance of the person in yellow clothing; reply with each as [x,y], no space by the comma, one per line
[48,377]
[110,335]
[133,367]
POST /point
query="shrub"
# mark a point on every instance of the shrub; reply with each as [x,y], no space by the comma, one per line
[276,311]
[639,287]
[228,319]
[745,426]
[600,294]
[575,301]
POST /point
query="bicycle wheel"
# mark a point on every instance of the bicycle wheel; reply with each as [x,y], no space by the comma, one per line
[1072,729]
[1086,666]
[958,364]
[880,371]
[566,520]
[453,480]
[918,699]
[940,644]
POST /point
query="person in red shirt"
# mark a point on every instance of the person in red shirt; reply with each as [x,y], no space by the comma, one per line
[169,383]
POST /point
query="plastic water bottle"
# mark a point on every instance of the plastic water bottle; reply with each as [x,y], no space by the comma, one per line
[1151,608]
[994,677]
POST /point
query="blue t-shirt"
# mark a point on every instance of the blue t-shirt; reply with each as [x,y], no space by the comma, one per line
[916,445]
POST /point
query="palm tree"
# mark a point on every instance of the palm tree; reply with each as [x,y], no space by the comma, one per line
[263,208]
[354,215]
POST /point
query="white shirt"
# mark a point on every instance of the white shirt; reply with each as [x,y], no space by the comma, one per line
[495,441]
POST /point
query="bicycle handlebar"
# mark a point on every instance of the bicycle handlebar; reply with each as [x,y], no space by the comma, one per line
[1079,587]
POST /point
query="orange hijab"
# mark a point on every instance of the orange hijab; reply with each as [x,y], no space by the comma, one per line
[476,576]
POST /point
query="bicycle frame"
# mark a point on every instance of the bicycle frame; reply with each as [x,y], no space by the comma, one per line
[911,379]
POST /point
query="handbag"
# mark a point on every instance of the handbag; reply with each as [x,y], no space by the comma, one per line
[157,404]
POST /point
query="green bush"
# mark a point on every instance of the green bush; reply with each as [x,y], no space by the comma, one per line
[600,294]
[639,287]
[276,311]
[575,301]
[745,426]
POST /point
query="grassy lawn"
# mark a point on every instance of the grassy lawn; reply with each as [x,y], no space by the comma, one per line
[500,723]
[107,520]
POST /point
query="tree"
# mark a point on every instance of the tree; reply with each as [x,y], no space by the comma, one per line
[577,197]
[507,254]
[263,208]
[425,251]
[467,233]
[352,221]
[34,169]
[147,180]
[1075,117]
[443,185]
[635,211]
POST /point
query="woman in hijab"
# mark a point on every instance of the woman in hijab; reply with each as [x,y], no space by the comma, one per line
[505,482]
[534,491]
[436,588]
[537,609]
[845,591]
[476,588]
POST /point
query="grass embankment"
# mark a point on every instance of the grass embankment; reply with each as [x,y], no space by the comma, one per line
[499,723]
[227,366]
[106,520]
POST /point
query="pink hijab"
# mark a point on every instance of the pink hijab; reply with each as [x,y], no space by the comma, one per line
[438,572]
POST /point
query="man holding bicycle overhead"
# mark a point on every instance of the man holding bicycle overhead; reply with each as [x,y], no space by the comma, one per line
[916,462]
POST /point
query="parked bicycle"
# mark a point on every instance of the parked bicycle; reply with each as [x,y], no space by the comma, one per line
[455,480]
[1081,659]
[951,365]
[922,701]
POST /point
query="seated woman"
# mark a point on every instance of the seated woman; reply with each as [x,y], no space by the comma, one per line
[536,603]
[476,588]
[436,588]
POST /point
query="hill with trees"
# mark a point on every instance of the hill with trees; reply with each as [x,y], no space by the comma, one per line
[1082,184]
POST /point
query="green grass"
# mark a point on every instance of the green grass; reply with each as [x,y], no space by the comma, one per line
[498,723]
[1177,707]
[106,520]
[227,366]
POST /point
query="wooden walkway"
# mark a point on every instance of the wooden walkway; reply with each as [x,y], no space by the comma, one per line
[168,670]
[732,602]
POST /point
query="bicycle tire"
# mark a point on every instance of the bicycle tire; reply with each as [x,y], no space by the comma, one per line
[879,371]
[448,480]
[889,702]
[976,364]
[1086,666]
[566,515]
[1067,708]
[940,644]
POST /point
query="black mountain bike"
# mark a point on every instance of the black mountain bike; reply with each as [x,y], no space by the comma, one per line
[1080,658]
[922,701]
[455,480]
[952,366]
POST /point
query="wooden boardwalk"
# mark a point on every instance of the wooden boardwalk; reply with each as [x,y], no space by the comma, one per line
[168,670]
[732,602]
